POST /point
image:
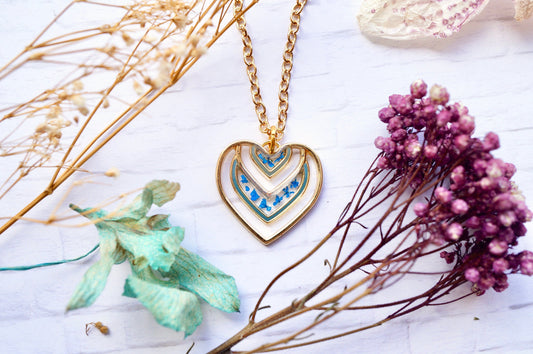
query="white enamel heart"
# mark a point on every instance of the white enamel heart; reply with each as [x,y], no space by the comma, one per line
[269,193]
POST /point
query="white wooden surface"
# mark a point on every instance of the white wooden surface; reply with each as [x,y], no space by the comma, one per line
[341,79]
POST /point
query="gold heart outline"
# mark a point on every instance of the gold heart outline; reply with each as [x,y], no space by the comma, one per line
[300,214]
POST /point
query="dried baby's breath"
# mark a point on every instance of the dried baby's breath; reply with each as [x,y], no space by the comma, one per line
[145,49]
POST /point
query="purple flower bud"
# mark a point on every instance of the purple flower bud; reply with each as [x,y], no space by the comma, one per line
[526,262]
[500,265]
[385,114]
[519,229]
[460,108]
[491,142]
[507,218]
[495,168]
[480,166]
[508,236]
[461,142]
[501,283]
[430,151]
[466,124]
[454,231]
[503,184]
[509,170]
[395,123]
[449,257]
[401,104]
[473,222]
[429,110]
[412,150]
[457,175]
[472,274]
[385,144]
[420,209]
[419,89]
[399,134]
[439,94]
[498,247]
[489,228]
[486,282]
[486,183]
[459,207]
[443,195]
[443,118]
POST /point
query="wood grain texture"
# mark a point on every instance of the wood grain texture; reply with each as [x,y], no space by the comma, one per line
[340,81]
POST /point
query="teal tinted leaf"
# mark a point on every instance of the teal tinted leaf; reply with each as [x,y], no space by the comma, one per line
[89,213]
[128,291]
[163,191]
[195,274]
[155,248]
[137,209]
[94,280]
[159,222]
[91,285]
[173,308]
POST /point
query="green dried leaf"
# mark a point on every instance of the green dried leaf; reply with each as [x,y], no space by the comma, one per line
[163,191]
[165,276]
[195,274]
[173,308]
[94,280]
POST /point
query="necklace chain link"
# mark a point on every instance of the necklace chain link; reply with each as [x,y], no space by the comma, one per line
[275,133]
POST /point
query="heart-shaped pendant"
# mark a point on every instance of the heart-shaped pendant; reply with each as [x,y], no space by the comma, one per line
[269,192]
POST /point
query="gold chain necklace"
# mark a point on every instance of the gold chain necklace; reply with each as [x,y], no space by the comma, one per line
[269,187]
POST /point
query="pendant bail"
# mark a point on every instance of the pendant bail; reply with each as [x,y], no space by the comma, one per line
[272,143]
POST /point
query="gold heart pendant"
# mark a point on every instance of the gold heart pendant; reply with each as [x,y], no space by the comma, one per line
[269,192]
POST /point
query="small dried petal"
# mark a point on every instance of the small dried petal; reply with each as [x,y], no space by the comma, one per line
[495,168]
[383,163]
[112,172]
[500,265]
[443,195]
[472,274]
[526,262]
[420,209]
[454,231]
[418,89]
[519,229]
[462,142]
[430,151]
[457,175]
[473,222]
[466,124]
[449,257]
[385,144]
[490,228]
[507,218]
[491,141]
[413,149]
[444,117]
[439,94]
[497,247]
[401,104]
[459,207]
[385,114]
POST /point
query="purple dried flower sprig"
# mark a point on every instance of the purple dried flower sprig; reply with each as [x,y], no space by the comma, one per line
[474,205]
[472,215]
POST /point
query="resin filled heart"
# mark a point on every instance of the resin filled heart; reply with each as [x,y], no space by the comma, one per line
[269,193]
